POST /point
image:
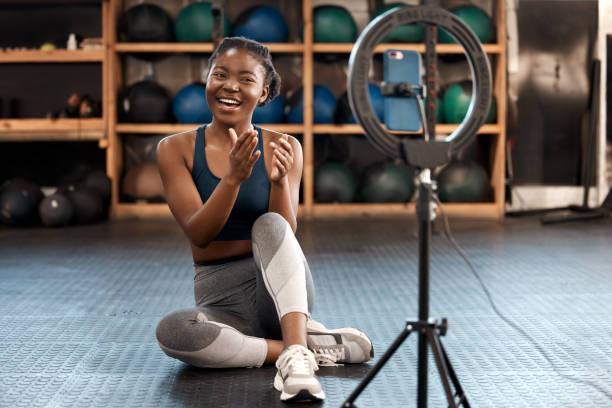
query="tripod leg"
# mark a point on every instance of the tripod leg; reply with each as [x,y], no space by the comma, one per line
[436,348]
[383,360]
[451,372]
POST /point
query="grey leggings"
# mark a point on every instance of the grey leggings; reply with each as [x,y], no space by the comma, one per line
[235,292]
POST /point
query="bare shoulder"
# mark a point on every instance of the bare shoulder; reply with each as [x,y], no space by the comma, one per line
[176,145]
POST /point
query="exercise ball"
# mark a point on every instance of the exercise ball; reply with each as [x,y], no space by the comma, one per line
[56,210]
[456,102]
[145,102]
[143,183]
[261,23]
[99,182]
[26,186]
[324,106]
[190,106]
[145,23]
[17,208]
[387,183]
[87,204]
[463,182]
[272,112]
[333,24]
[343,113]
[478,21]
[411,33]
[195,23]
[334,182]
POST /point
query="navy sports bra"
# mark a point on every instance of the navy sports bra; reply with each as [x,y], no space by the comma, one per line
[253,196]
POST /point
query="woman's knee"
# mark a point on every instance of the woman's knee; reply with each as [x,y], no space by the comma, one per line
[270,228]
[185,330]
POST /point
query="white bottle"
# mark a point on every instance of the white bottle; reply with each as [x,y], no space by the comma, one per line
[72,42]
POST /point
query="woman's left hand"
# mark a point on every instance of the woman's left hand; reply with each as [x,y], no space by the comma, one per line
[282,159]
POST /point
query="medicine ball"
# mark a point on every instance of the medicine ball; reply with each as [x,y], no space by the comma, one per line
[463,182]
[324,106]
[195,23]
[145,102]
[101,183]
[143,183]
[411,33]
[334,182]
[477,20]
[17,208]
[333,24]
[87,204]
[56,210]
[190,106]
[343,113]
[262,23]
[145,23]
[457,99]
[387,183]
[28,187]
[272,112]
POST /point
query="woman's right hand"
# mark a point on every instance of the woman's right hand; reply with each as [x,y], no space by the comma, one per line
[241,156]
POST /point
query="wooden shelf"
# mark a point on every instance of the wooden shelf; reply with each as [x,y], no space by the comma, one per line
[171,128]
[51,129]
[455,210]
[37,56]
[178,47]
[141,210]
[440,48]
[440,129]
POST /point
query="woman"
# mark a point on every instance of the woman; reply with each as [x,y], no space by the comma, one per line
[234,189]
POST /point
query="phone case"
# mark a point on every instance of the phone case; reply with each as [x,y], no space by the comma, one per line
[401,113]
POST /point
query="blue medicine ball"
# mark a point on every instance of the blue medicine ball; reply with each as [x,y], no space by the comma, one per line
[324,106]
[190,105]
[272,112]
[343,109]
[263,24]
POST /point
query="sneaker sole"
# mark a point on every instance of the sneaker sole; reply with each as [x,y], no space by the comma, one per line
[351,334]
[302,395]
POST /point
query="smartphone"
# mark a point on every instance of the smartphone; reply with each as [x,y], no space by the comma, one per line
[402,113]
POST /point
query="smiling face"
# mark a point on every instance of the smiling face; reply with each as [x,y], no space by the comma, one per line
[235,85]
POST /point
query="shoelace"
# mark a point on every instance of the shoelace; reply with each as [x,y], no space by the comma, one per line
[299,361]
[328,356]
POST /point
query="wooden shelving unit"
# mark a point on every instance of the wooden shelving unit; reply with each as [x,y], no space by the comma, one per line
[307,50]
[40,129]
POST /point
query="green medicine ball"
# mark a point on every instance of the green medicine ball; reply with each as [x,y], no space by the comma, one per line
[333,24]
[387,183]
[475,18]
[334,183]
[410,33]
[463,182]
[195,23]
[457,100]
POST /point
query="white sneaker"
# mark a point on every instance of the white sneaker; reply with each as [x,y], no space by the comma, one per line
[295,377]
[330,347]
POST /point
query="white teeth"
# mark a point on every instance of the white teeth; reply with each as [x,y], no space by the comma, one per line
[229,101]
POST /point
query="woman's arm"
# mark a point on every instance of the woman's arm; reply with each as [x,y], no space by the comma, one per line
[285,177]
[202,222]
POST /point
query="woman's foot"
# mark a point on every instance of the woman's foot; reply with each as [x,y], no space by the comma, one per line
[331,347]
[295,378]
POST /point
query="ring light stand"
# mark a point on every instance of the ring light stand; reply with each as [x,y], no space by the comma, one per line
[425,154]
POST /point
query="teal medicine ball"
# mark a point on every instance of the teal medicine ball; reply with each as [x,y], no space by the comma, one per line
[195,23]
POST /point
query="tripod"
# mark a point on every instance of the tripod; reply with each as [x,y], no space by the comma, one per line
[429,330]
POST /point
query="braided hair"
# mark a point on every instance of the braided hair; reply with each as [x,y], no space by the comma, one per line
[272,80]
